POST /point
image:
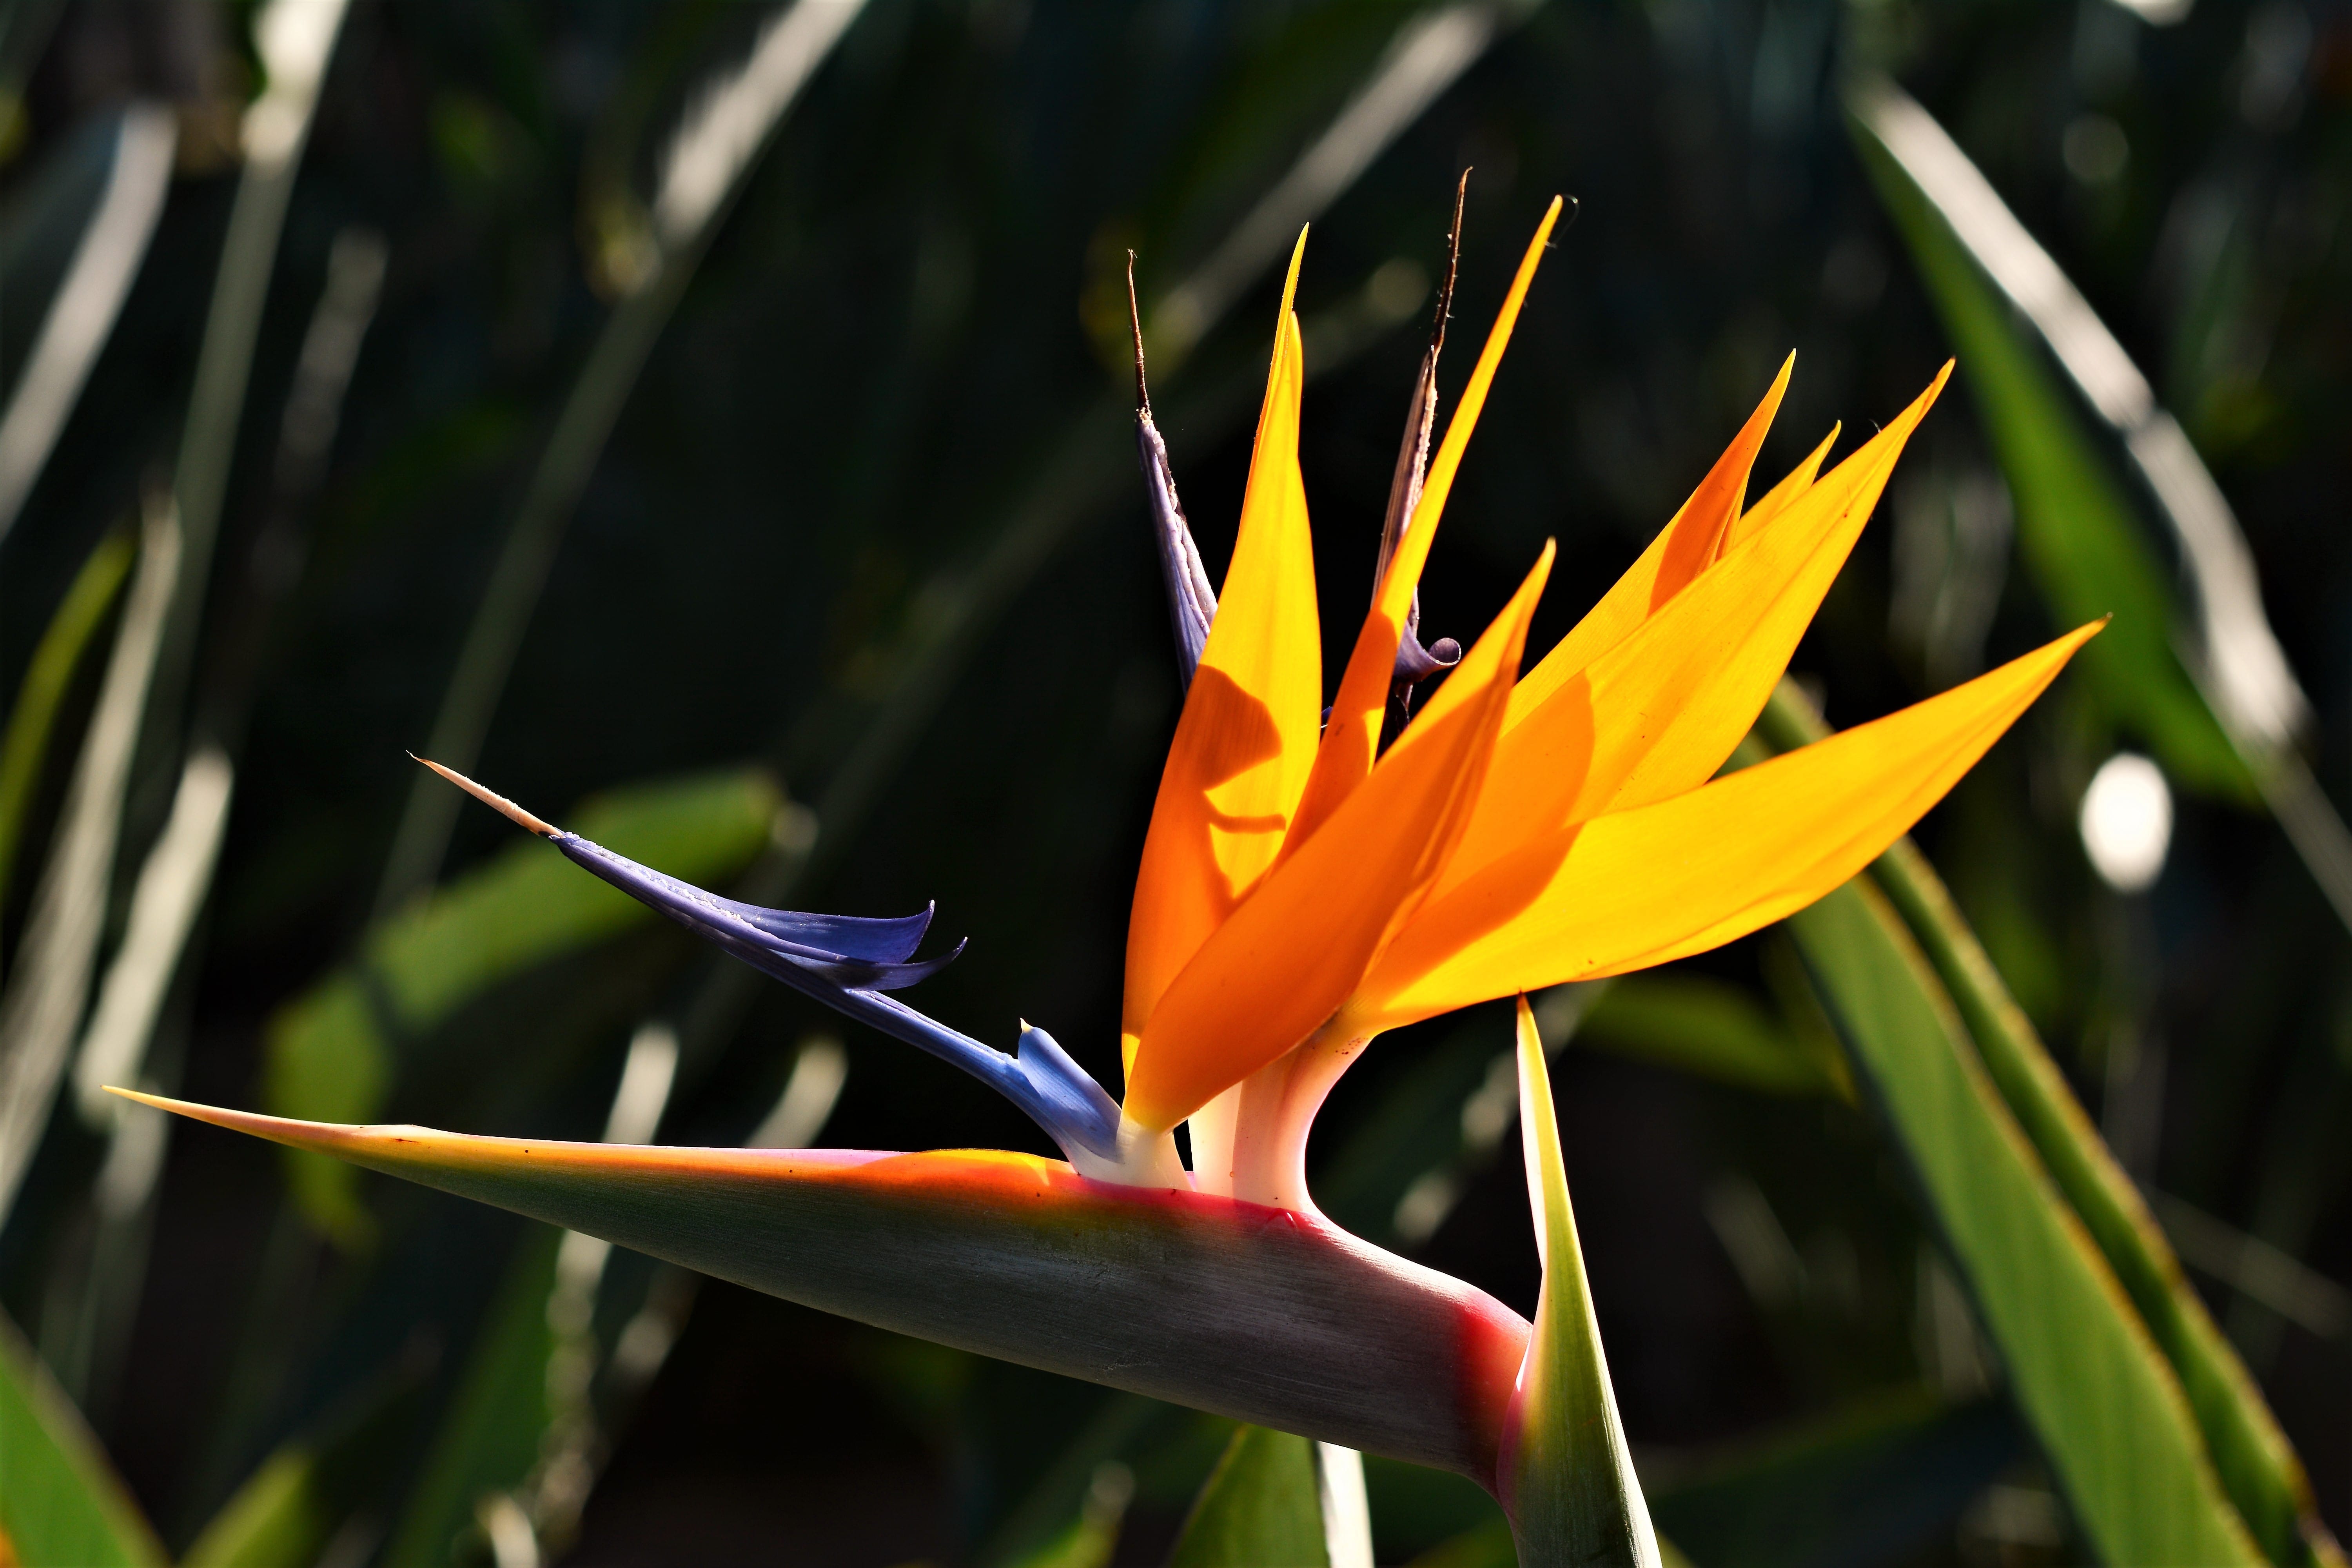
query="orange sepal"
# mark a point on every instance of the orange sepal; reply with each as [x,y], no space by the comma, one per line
[1247,735]
[1686,546]
[1351,734]
[1297,946]
[1644,887]
[1777,499]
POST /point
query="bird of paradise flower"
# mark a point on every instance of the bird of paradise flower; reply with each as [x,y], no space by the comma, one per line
[1303,890]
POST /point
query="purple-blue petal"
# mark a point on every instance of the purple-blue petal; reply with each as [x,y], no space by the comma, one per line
[790,946]
[889,940]
[1191,603]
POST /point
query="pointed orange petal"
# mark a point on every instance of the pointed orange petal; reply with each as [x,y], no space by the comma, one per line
[1299,945]
[1693,539]
[1351,736]
[1640,888]
[1778,498]
[1657,713]
[1247,736]
[1686,546]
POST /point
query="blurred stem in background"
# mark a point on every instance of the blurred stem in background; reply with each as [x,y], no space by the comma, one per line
[50,980]
[32,718]
[82,314]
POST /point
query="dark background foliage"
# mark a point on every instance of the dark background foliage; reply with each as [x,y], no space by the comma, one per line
[903,347]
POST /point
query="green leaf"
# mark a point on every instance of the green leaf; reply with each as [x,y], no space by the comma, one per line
[1415,1508]
[1124,1433]
[55,658]
[2075,526]
[60,1501]
[1090,1539]
[2260,1468]
[2111,1416]
[1569,1481]
[1695,1024]
[1487,1545]
[490,1434]
[1260,1314]
[329,1053]
[1868,1484]
[289,1509]
[1262,1505]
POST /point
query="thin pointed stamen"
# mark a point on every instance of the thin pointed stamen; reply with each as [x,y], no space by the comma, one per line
[490,798]
[1453,269]
[1414,663]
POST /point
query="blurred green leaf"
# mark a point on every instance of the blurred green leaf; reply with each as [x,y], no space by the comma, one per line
[1033,1525]
[2110,1413]
[1262,1505]
[1090,1539]
[1867,1485]
[1489,1545]
[490,1432]
[60,1501]
[55,657]
[1696,1024]
[277,1520]
[1414,1508]
[289,1509]
[1415,1128]
[330,1054]
[1486,1545]
[2075,523]
[1569,1481]
[2258,1466]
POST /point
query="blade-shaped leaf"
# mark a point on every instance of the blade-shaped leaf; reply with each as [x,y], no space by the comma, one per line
[2110,1416]
[1261,1506]
[1262,1314]
[1568,1475]
[1487,1545]
[60,1501]
[289,1509]
[1869,1484]
[329,1053]
[1090,1539]
[2259,1467]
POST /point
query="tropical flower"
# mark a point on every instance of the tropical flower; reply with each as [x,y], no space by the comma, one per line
[1301,891]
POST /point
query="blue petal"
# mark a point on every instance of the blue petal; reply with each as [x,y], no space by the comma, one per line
[1060,1095]
[867,958]
[882,941]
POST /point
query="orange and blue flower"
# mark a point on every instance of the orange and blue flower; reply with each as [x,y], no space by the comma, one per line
[1302,890]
